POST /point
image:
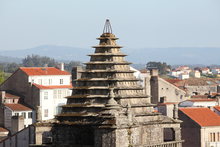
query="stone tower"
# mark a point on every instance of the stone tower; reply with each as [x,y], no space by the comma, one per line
[108,108]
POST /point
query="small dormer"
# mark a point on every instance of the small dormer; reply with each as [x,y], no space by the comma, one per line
[8,98]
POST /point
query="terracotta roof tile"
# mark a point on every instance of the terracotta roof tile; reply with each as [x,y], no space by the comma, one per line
[3,130]
[201,100]
[8,95]
[202,116]
[18,107]
[32,71]
[53,87]
[167,103]
[199,96]
[217,108]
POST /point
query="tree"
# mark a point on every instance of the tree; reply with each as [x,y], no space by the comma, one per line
[2,77]
[38,61]
[163,67]
[69,66]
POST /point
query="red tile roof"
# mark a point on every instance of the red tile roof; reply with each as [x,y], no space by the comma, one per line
[199,96]
[167,103]
[8,95]
[3,130]
[18,107]
[53,87]
[143,70]
[202,116]
[201,100]
[217,108]
[32,71]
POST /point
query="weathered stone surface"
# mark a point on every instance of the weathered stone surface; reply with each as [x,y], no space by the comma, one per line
[108,108]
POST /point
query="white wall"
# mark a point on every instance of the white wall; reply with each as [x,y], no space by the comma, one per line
[197,104]
[50,80]
[27,121]
[52,102]
[8,113]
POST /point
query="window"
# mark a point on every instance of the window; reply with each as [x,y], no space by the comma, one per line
[23,114]
[29,114]
[50,81]
[40,81]
[16,114]
[45,112]
[45,95]
[169,134]
[55,94]
[59,93]
[61,81]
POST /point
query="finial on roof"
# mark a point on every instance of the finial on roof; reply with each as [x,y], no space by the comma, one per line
[107,27]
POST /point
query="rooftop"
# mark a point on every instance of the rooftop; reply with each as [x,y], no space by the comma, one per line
[53,87]
[3,130]
[18,107]
[202,116]
[10,96]
[33,71]
[202,100]
[217,108]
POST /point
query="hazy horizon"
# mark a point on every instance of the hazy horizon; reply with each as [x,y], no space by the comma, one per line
[138,24]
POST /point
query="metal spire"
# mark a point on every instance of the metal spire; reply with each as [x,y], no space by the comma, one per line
[107,27]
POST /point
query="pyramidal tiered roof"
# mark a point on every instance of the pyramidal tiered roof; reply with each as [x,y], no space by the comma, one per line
[107,91]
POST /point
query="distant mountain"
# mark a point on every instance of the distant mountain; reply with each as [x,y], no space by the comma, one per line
[5,59]
[173,56]
[176,56]
[56,52]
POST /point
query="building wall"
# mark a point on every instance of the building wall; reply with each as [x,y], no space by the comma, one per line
[190,131]
[140,135]
[161,88]
[51,100]
[198,104]
[171,92]
[32,96]
[18,82]
[201,90]
[7,118]
[27,120]
[50,80]
[21,139]
[8,113]
[210,136]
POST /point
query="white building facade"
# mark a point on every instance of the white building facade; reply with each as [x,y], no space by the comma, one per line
[43,88]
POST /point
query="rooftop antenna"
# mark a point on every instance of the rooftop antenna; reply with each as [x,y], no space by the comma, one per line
[107,27]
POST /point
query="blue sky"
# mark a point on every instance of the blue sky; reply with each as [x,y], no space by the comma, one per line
[138,23]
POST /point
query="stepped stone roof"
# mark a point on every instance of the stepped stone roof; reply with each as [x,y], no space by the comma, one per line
[108,93]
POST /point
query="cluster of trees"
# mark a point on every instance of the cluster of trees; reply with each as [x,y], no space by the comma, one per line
[163,67]
[36,61]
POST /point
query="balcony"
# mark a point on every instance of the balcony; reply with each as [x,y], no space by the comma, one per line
[167,144]
[212,144]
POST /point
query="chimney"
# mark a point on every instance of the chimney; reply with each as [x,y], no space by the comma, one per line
[2,97]
[154,72]
[218,100]
[39,114]
[154,86]
[218,88]
[76,74]
[175,111]
[62,66]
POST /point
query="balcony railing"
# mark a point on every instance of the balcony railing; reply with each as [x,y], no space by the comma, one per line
[167,144]
[212,144]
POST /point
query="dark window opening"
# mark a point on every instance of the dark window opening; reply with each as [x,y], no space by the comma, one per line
[169,134]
